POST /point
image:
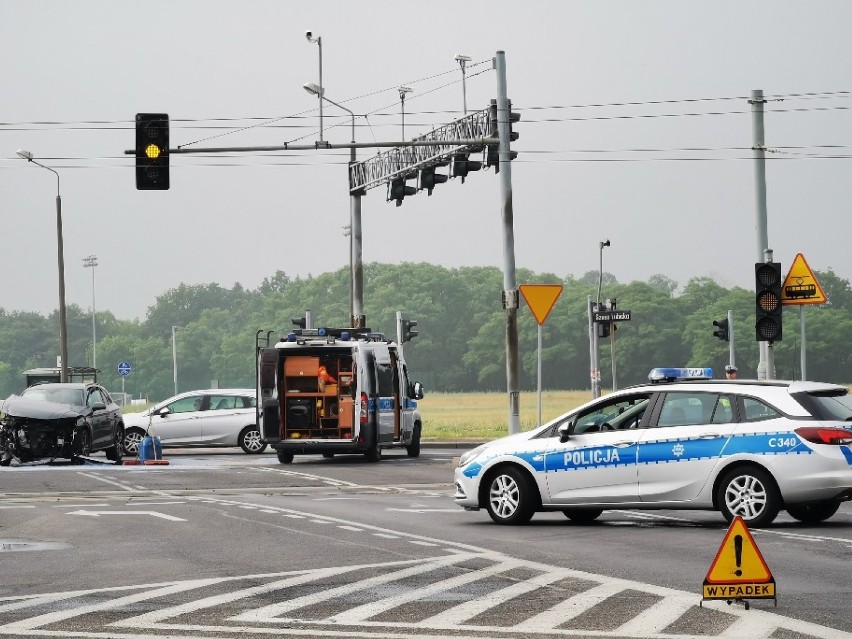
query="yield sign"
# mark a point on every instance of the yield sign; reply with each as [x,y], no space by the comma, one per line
[801,286]
[541,298]
[739,571]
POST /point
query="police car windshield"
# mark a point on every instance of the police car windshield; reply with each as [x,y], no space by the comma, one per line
[835,405]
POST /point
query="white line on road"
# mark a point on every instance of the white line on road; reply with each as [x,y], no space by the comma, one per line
[152,513]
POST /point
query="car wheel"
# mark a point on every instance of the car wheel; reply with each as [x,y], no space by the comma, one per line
[413,448]
[750,493]
[250,440]
[582,515]
[132,441]
[82,445]
[114,452]
[284,457]
[511,496]
[813,513]
[374,454]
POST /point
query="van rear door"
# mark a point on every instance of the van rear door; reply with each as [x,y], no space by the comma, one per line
[386,410]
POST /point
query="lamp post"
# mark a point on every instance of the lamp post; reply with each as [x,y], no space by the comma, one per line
[318,40]
[463,60]
[91,262]
[403,91]
[356,269]
[63,327]
[174,355]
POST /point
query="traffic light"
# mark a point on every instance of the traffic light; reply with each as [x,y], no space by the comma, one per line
[461,166]
[604,328]
[301,322]
[721,329]
[152,151]
[397,190]
[768,281]
[492,156]
[427,178]
[409,332]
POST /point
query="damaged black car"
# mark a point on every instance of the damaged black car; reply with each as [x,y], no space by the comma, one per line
[69,421]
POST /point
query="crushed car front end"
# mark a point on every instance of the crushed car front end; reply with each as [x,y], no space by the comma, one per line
[33,430]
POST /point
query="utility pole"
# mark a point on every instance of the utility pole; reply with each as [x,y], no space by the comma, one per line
[510,289]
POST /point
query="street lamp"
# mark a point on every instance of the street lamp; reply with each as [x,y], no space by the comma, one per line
[600,272]
[63,327]
[463,60]
[356,270]
[402,93]
[318,40]
[91,262]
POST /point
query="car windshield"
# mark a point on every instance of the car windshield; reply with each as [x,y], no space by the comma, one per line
[835,405]
[73,396]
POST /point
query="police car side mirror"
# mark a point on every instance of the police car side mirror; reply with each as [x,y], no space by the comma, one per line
[163,411]
[563,431]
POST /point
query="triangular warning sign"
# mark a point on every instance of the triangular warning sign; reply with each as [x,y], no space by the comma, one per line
[541,298]
[739,571]
[801,286]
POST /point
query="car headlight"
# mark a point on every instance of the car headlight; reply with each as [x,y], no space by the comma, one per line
[470,455]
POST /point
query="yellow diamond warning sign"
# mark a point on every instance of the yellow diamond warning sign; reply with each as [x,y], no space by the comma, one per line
[801,286]
[541,298]
[739,571]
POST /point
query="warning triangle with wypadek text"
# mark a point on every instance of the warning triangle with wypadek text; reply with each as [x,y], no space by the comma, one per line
[739,570]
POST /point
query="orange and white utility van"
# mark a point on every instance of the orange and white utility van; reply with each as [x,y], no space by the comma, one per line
[331,391]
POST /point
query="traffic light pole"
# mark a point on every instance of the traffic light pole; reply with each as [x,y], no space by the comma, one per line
[731,357]
[766,366]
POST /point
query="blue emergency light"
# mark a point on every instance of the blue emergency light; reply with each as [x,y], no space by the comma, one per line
[679,374]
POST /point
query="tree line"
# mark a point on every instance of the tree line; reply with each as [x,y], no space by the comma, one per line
[461,324]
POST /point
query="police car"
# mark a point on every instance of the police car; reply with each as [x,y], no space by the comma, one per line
[745,448]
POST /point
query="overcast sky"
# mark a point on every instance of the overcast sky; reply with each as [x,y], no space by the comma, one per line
[636,128]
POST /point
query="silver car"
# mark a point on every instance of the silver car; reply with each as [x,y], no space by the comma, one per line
[214,417]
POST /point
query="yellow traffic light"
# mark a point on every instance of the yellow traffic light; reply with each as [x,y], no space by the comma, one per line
[152,151]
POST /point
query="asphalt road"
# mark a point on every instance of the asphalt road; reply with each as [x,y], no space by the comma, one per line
[222,544]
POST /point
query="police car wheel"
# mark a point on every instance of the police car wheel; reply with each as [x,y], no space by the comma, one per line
[750,493]
[250,441]
[284,457]
[511,497]
[582,515]
[413,449]
[813,513]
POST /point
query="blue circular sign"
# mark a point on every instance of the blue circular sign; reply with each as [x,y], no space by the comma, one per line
[124,369]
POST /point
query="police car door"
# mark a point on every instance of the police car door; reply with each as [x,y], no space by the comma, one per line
[677,454]
[597,462]
[385,403]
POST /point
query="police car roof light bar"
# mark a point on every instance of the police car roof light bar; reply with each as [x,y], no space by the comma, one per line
[679,374]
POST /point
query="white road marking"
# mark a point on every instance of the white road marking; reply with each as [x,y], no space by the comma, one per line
[152,513]
[107,481]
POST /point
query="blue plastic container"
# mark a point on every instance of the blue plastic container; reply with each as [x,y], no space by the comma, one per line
[150,449]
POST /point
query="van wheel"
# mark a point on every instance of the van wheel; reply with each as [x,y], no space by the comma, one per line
[750,493]
[284,457]
[374,454]
[414,447]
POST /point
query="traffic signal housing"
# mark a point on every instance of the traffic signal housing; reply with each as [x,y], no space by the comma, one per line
[409,332]
[768,307]
[721,329]
[152,151]
[462,165]
[427,178]
[397,190]
[492,155]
